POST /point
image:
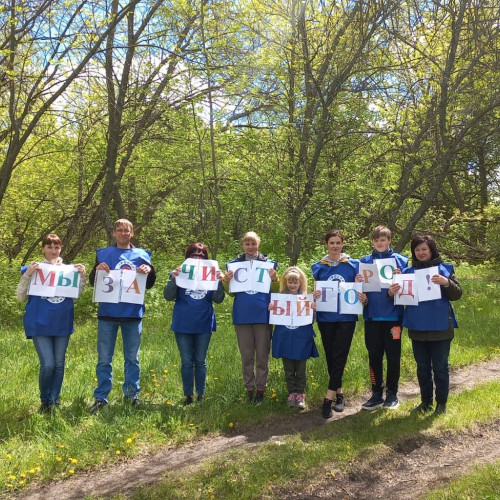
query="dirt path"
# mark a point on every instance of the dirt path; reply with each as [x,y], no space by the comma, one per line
[415,466]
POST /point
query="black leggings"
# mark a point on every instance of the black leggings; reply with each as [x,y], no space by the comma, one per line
[337,339]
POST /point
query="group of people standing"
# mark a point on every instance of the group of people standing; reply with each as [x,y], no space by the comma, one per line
[430,324]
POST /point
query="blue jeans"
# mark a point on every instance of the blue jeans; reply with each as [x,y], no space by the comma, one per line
[432,358]
[107,332]
[52,354]
[193,349]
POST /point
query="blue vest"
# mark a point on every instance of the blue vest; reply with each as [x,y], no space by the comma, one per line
[251,307]
[51,316]
[380,306]
[430,315]
[345,272]
[193,312]
[296,343]
[122,258]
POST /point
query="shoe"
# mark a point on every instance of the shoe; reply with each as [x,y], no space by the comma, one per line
[326,411]
[136,402]
[249,396]
[376,401]
[339,403]
[423,407]
[98,404]
[440,409]
[188,401]
[199,398]
[45,408]
[292,400]
[259,398]
[301,401]
[391,401]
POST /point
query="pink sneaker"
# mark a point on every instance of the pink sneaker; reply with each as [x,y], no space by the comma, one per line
[292,399]
[301,400]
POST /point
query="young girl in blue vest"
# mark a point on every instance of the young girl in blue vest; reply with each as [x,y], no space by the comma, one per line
[431,325]
[49,322]
[295,345]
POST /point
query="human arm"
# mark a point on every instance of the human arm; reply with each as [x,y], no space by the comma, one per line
[452,289]
[219,294]
[24,283]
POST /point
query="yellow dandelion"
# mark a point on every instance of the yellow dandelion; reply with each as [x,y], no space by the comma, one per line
[58,459]
[10,485]
[211,356]
[9,456]
[41,454]
[118,452]
[231,425]
[38,468]
[73,460]
[59,446]
[22,482]
[129,440]
[216,378]
[71,471]
[169,403]
[32,471]
[12,477]
[165,371]
[22,474]
[479,309]
[191,424]
[348,447]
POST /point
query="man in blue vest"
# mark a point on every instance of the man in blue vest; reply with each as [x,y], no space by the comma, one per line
[126,316]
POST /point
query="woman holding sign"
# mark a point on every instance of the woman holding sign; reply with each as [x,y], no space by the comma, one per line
[193,322]
[49,322]
[431,323]
[336,328]
[250,313]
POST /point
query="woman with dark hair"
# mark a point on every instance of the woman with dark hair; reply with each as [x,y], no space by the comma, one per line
[431,325]
[193,322]
[49,322]
[337,330]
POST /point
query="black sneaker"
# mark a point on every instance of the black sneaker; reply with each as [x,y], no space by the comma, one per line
[423,407]
[339,403]
[200,398]
[376,401]
[440,409]
[326,411]
[391,401]
[136,402]
[188,401]
[259,398]
[98,404]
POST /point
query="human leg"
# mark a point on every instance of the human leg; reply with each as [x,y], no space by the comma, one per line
[201,343]
[374,342]
[392,347]
[246,344]
[60,346]
[44,349]
[440,351]
[422,355]
[262,335]
[300,375]
[289,369]
[106,340]
[131,335]
[185,344]
[340,347]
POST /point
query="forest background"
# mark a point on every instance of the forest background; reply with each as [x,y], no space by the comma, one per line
[199,120]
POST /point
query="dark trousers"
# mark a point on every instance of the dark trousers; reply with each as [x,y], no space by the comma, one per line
[295,375]
[336,338]
[379,340]
[432,358]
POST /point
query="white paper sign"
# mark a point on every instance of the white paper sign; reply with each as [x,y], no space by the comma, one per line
[120,285]
[426,289]
[386,268]
[250,276]
[328,302]
[369,273]
[349,300]
[198,274]
[407,294]
[50,280]
[291,310]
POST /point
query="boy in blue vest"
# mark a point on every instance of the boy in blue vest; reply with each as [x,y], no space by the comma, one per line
[383,327]
[122,315]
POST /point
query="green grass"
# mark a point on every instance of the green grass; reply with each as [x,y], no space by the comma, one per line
[36,447]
